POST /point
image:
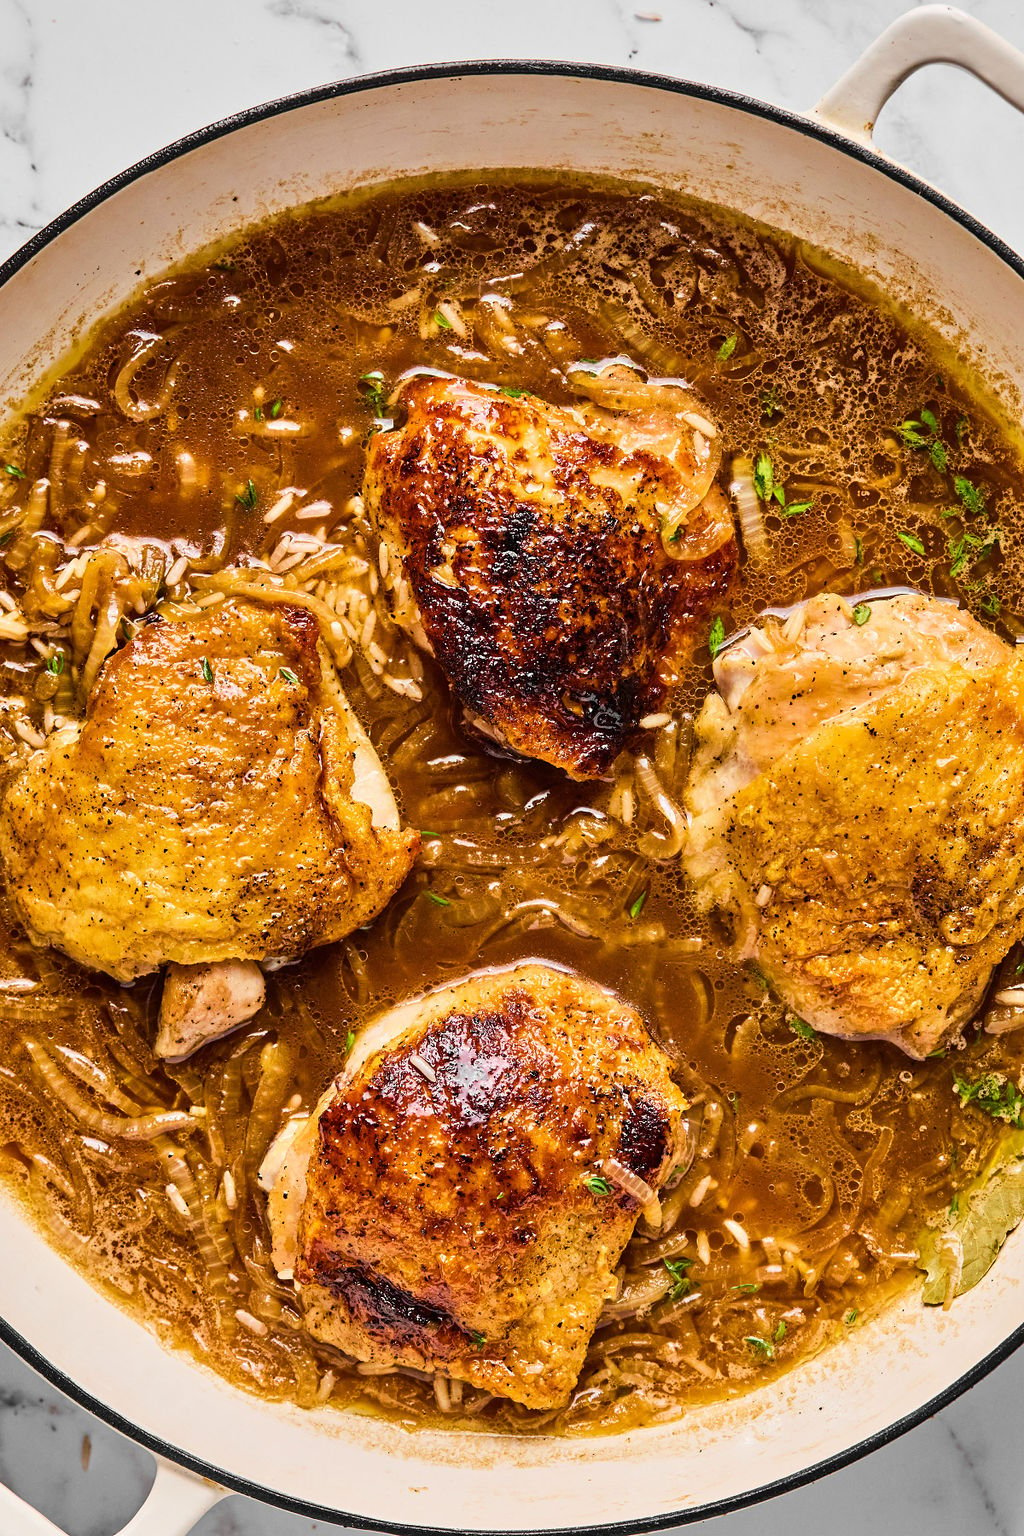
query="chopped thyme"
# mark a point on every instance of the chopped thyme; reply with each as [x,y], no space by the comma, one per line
[513,394]
[924,434]
[597,1185]
[727,348]
[479,1339]
[207,671]
[851,1317]
[14,471]
[276,409]
[911,541]
[769,402]
[972,499]
[442,321]
[858,549]
[749,1286]
[248,496]
[861,613]
[637,906]
[56,663]
[371,387]
[763,1347]
[768,489]
[257,414]
[288,675]
[681,1283]
[716,636]
[439,901]
[426,832]
[994,1095]
[780,1332]
[803,1029]
[758,976]
[990,604]
[350,1040]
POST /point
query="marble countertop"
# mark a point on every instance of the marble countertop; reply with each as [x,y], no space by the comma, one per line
[87,87]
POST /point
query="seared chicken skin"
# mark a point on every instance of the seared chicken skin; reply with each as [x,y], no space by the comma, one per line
[460,1196]
[554,559]
[858,810]
[219,803]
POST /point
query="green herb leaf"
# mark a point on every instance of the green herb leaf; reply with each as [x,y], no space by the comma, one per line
[851,1317]
[803,1029]
[990,604]
[425,832]
[14,471]
[911,434]
[716,636]
[727,349]
[479,1339]
[780,1332]
[288,675]
[758,976]
[994,1094]
[258,413]
[986,1215]
[796,508]
[373,391]
[442,320]
[862,613]
[439,901]
[858,549]
[911,540]
[763,1347]
[513,394]
[637,906]
[749,1287]
[769,402]
[937,454]
[248,496]
[207,671]
[350,1040]
[971,497]
[764,476]
[682,1284]
[962,428]
[930,422]
[276,409]
[597,1185]
[56,663]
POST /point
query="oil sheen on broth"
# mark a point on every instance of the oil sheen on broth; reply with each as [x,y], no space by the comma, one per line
[259,371]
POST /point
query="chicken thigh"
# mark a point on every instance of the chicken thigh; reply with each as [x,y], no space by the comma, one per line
[460,1196]
[554,559]
[857,804]
[219,803]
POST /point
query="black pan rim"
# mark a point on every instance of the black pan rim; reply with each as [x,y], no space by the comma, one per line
[384,79]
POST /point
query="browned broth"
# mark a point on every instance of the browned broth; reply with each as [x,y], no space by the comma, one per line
[826,1156]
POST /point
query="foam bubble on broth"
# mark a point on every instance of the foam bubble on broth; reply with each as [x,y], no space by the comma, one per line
[817,1150]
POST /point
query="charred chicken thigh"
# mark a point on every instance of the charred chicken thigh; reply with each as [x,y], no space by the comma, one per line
[460,1196]
[219,805]
[857,804]
[553,558]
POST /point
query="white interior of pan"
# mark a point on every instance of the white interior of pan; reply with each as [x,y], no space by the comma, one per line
[883,1371]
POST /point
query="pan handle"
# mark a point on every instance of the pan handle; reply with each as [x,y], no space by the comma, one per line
[931,34]
[175,1504]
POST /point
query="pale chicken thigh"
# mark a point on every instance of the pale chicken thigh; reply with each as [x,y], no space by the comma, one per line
[857,805]
[460,1196]
[220,803]
[554,559]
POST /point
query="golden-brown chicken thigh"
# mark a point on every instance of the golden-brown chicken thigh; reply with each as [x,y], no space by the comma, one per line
[553,558]
[460,1196]
[858,810]
[220,802]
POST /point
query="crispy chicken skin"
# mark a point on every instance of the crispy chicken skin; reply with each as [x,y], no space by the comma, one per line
[435,1209]
[555,558]
[219,802]
[858,810]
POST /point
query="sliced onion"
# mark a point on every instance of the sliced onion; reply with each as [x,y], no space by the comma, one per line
[748,510]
